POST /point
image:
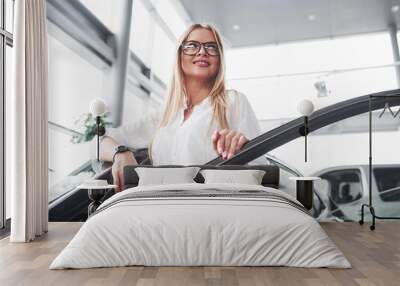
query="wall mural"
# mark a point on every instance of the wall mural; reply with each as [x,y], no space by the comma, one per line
[193,94]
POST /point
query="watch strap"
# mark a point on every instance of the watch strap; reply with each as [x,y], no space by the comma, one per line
[122,149]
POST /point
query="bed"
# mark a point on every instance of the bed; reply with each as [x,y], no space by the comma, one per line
[201,224]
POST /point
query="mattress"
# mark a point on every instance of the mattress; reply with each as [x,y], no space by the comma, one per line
[201,225]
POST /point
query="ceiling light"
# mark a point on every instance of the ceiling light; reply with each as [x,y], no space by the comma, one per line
[311,17]
[395,8]
[236,27]
[321,88]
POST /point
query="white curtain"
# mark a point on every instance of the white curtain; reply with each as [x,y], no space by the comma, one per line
[28,116]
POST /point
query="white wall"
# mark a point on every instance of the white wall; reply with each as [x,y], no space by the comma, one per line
[275,91]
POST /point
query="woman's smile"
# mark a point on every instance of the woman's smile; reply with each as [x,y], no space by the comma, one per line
[201,63]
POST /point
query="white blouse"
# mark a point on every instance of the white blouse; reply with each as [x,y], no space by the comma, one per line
[188,142]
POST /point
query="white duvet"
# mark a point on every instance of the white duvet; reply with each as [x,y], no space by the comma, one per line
[183,231]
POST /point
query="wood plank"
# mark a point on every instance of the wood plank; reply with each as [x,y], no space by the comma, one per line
[374,255]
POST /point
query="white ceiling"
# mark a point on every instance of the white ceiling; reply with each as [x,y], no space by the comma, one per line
[278,21]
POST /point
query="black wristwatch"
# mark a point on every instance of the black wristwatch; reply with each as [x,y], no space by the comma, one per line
[121,149]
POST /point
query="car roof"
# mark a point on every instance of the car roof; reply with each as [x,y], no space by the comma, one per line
[361,166]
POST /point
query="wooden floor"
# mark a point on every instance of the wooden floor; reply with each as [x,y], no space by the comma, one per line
[374,255]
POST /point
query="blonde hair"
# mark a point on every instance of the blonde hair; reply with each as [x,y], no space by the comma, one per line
[177,92]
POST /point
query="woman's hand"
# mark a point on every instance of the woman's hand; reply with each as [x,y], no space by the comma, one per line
[120,161]
[228,142]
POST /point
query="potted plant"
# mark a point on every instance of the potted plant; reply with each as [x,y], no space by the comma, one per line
[88,122]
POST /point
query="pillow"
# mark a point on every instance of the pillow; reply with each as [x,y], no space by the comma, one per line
[249,177]
[270,179]
[162,176]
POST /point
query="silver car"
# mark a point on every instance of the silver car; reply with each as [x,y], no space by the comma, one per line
[344,189]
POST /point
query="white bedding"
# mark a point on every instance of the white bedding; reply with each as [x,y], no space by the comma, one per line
[186,230]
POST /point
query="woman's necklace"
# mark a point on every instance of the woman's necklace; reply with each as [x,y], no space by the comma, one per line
[189,106]
[187,111]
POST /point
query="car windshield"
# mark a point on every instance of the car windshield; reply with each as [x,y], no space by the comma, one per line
[388,182]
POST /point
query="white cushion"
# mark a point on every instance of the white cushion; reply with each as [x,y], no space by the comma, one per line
[249,177]
[162,176]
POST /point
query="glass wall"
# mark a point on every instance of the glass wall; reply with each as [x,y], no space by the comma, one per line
[6,41]
[142,31]
[154,31]
[73,83]
[2,126]
[9,10]
[147,31]
[8,81]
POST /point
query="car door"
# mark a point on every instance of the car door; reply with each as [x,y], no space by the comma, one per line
[289,186]
[345,192]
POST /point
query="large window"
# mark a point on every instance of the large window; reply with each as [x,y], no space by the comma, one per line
[6,41]
[73,83]
[155,27]
[74,80]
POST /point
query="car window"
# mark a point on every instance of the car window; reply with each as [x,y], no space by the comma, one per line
[388,182]
[344,185]
[285,184]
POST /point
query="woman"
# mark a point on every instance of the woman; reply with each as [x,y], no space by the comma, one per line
[201,119]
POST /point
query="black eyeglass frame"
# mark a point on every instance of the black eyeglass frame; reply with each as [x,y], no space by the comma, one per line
[204,45]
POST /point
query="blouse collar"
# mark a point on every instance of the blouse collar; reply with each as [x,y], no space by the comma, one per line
[204,101]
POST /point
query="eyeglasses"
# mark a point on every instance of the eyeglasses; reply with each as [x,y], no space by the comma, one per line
[191,48]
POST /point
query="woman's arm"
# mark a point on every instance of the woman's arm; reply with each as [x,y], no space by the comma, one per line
[121,160]
[107,148]
[136,135]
